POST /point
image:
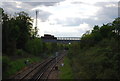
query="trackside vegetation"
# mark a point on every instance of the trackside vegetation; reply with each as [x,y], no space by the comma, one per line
[97,56]
[13,66]
[21,42]
[66,70]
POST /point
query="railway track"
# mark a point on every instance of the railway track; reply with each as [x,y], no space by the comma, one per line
[46,70]
[39,71]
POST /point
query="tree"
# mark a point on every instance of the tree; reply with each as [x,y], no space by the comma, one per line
[96,33]
[34,46]
[24,23]
[5,31]
[116,24]
[106,31]
[16,31]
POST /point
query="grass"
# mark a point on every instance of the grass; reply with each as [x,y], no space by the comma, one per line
[66,70]
[17,65]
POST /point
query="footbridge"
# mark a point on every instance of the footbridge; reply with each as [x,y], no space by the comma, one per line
[51,38]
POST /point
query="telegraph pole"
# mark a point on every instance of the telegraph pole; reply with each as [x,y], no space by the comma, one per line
[36,17]
[36,30]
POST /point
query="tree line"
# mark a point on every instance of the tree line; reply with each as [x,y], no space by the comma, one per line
[20,41]
[19,36]
[97,56]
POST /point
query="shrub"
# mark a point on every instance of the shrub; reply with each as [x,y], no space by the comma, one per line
[19,52]
[5,65]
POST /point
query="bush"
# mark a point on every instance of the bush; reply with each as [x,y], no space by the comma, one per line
[19,52]
[98,62]
[11,67]
[34,46]
[5,65]
[66,70]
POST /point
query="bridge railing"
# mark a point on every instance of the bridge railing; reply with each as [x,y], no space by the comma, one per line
[68,38]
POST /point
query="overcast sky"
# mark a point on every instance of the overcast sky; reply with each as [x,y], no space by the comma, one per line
[68,18]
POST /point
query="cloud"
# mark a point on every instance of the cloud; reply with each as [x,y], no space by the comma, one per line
[107,13]
[43,15]
[104,14]
[13,7]
[35,4]
[32,0]
[108,9]
[76,2]
[66,17]
[69,22]
[61,31]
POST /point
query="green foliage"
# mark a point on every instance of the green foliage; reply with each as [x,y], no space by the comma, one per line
[50,47]
[16,31]
[25,25]
[116,25]
[96,62]
[66,70]
[97,55]
[5,63]
[106,31]
[34,46]
[10,67]
[60,46]
[20,52]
